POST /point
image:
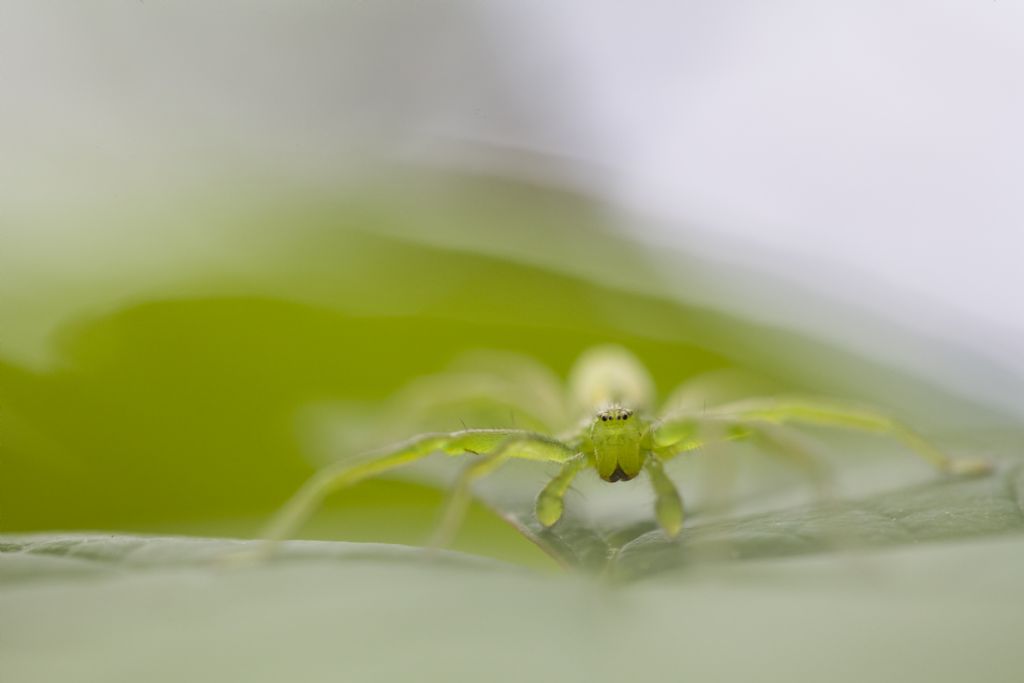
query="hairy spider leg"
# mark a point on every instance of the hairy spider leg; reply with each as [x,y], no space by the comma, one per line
[790,446]
[523,387]
[827,413]
[720,467]
[345,473]
[770,423]
[461,493]
[680,434]
[691,399]
[780,440]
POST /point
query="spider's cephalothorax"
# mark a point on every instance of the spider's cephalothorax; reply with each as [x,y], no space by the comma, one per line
[615,439]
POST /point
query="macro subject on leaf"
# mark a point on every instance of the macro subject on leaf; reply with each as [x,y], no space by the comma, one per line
[620,435]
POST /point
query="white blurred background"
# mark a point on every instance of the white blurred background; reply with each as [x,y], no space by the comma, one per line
[871,152]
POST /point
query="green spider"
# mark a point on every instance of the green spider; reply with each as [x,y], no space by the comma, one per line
[617,436]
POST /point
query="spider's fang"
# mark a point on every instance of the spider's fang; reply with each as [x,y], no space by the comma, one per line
[619,475]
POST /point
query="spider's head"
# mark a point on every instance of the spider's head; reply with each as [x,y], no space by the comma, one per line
[615,435]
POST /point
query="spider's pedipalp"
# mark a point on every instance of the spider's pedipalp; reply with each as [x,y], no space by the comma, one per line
[550,501]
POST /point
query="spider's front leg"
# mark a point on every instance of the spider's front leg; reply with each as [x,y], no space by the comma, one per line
[551,500]
[529,445]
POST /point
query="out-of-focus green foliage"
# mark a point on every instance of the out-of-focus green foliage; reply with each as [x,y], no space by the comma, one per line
[176,408]
[184,407]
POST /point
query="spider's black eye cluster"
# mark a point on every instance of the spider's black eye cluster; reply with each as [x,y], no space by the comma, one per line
[616,415]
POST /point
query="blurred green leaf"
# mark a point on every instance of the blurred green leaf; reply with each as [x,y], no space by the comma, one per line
[125,608]
[175,404]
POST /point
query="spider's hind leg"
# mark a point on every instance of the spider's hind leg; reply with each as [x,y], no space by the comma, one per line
[718,470]
[827,413]
[790,447]
[301,506]
[457,504]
